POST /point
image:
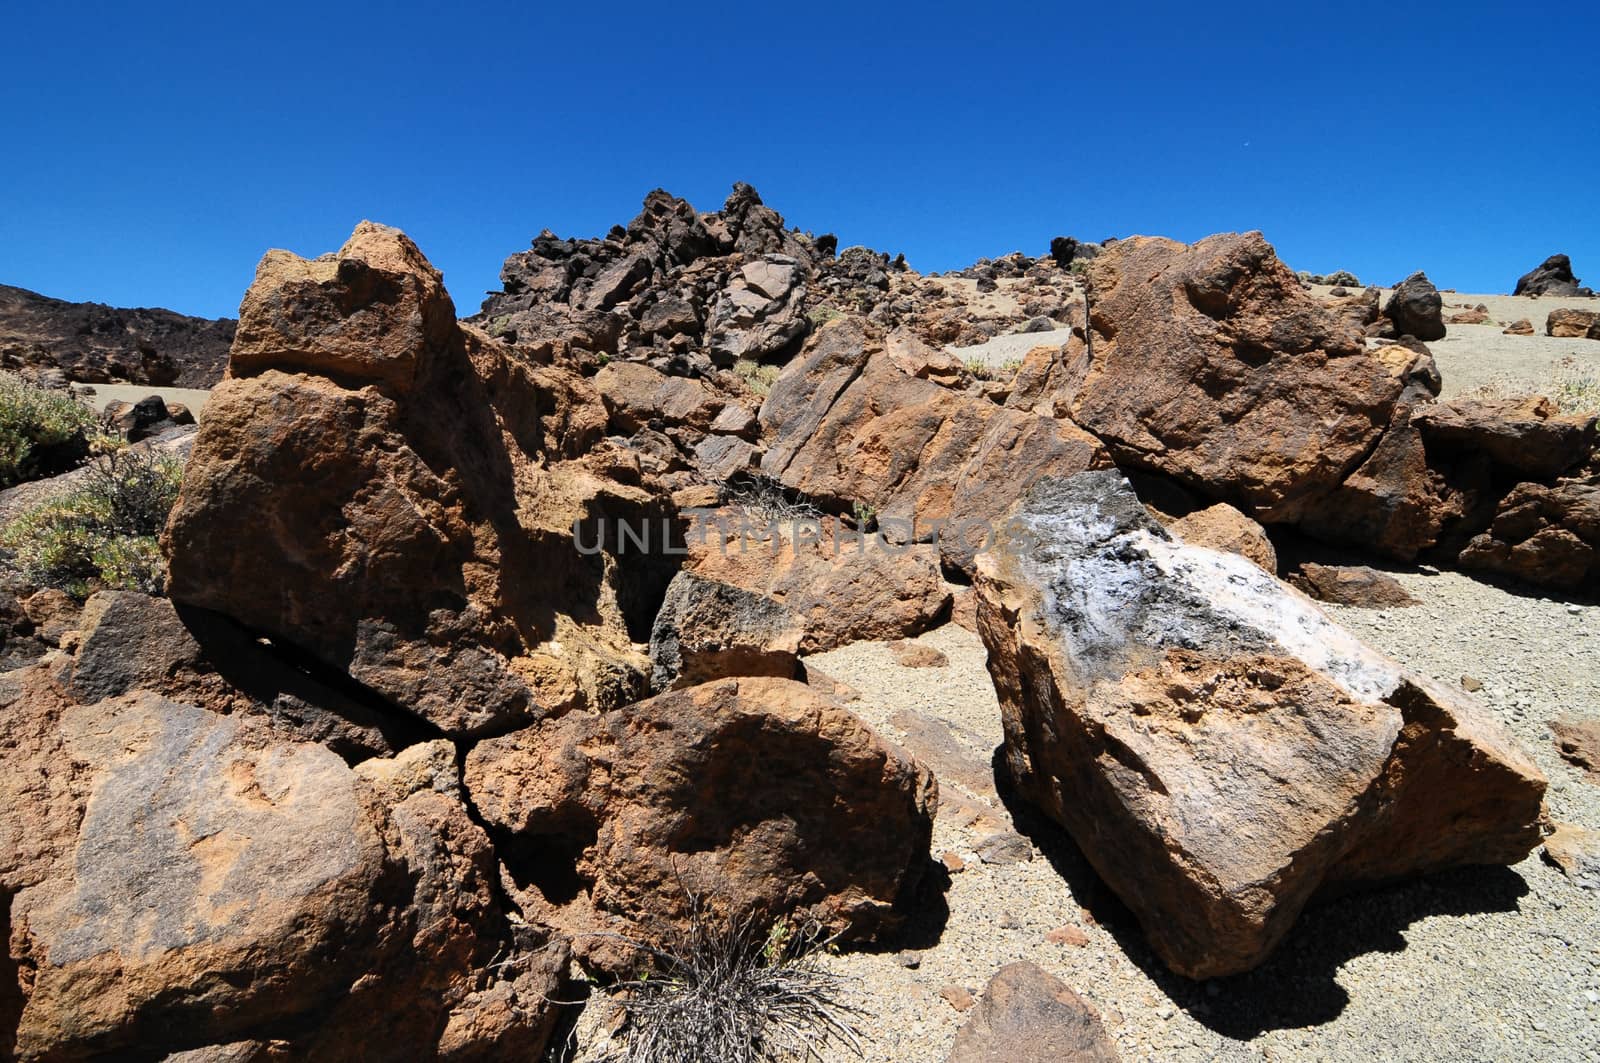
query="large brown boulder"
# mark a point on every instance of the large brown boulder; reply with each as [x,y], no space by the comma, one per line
[1528,437]
[1212,366]
[848,427]
[189,881]
[1220,749]
[397,496]
[754,795]
[843,585]
[1573,324]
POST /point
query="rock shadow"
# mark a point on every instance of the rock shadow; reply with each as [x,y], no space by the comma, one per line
[1297,986]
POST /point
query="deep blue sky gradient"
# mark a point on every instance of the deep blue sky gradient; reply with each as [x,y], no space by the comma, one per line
[152,152]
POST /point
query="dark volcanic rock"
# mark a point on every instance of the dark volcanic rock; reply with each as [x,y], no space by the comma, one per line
[95,343]
[1553,276]
[1416,309]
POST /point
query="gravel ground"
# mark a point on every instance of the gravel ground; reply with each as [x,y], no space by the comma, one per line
[1014,346]
[1480,964]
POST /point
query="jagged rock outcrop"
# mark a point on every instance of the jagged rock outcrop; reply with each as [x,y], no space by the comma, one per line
[1219,749]
[752,795]
[176,880]
[847,427]
[96,344]
[396,495]
[1553,276]
[1543,534]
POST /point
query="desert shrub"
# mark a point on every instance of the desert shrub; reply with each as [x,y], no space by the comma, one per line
[764,497]
[737,991]
[757,376]
[102,532]
[42,431]
[1570,384]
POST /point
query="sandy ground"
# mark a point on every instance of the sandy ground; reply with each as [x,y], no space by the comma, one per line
[98,395]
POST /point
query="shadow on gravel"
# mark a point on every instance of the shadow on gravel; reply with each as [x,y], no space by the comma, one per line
[1297,987]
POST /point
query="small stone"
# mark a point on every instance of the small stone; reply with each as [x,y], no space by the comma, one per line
[1087,917]
[952,863]
[1067,935]
[911,655]
[1471,684]
[1009,921]
[957,997]
[1005,847]
[909,960]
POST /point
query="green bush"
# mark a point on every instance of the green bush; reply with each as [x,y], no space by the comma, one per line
[758,377]
[103,532]
[42,432]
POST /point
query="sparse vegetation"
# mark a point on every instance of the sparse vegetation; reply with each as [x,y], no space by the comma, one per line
[758,377]
[101,533]
[864,515]
[982,370]
[42,431]
[822,314]
[734,990]
[766,498]
[1570,384]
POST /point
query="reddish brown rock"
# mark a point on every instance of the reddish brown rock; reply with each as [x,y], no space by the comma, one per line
[1576,851]
[1578,742]
[1221,527]
[1520,327]
[1213,367]
[1548,535]
[1028,1016]
[1573,324]
[1529,436]
[408,517]
[1478,315]
[752,794]
[1355,585]
[912,655]
[1219,749]
[190,881]
[845,586]
[847,427]
[637,396]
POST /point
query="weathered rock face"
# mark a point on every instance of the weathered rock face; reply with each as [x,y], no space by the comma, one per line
[1028,1016]
[707,629]
[847,427]
[94,343]
[1547,535]
[1416,309]
[190,881]
[1553,276]
[1219,749]
[1527,437]
[1212,366]
[1573,324]
[841,585]
[1221,527]
[755,794]
[1578,742]
[396,495]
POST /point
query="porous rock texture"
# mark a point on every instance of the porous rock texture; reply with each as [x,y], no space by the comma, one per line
[175,880]
[748,794]
[1219,749]
[1212,366]
[396,495]
[848,427]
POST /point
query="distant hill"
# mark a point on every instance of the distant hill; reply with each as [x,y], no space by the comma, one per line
[95,343]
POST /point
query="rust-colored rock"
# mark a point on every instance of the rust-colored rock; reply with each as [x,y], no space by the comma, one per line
[1520,327]
[847,427]
[1529,437]
[190,881]
[1221,527]
[1355,585]
[1219,749]
[1578,742]
[1548,535]
[707,629]
[753,794]
[1570,324]
[1028,1016]
[396,495]
[1213,367]
[844,585]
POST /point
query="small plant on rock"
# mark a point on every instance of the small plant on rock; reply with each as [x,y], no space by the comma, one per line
[738,990]
[102,532]
[757,376]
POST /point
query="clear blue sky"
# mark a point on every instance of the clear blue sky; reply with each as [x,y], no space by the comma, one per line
[152,152]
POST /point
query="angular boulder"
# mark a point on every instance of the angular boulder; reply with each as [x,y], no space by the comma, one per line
[1221,527]
[1220,749]
[1029,1016]
[1212,366]
[1571,324]
[1553,276]
[192,881]
[842,585]
[750,795]
[847,427]
[1543,534]
[708,629]
[1528,437]
[397,495]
